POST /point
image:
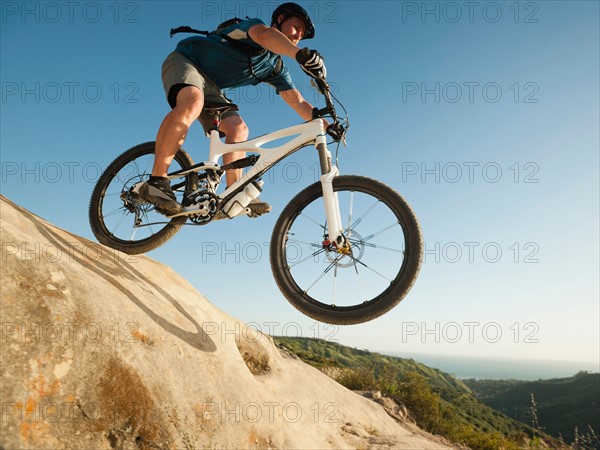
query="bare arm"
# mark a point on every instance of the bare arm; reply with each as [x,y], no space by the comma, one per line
[293,98]
[273,40]
[276,42]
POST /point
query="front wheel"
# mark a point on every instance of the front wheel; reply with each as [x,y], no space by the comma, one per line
[119,218]
[362,281]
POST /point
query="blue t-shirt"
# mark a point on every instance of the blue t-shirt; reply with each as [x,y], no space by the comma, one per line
[228,67]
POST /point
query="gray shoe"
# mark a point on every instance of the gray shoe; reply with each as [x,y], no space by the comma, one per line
[258,208]
[158,192]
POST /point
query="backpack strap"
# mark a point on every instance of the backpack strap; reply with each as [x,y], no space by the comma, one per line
[186,29]
[248,49]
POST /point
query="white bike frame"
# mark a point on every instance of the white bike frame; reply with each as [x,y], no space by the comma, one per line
[306,133]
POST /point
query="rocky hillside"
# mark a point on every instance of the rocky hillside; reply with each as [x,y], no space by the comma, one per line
[438,402]
[102,350]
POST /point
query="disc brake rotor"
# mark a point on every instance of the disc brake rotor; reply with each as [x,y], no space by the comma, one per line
[354,251]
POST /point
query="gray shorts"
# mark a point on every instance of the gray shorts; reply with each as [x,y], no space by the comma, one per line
[179,72]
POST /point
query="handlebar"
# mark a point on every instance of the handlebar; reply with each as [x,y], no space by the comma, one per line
[336,130]
[323,88]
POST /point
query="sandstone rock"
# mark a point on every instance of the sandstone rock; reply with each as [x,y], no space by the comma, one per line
[101,350]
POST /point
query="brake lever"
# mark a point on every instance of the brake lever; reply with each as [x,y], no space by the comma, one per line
[337,132]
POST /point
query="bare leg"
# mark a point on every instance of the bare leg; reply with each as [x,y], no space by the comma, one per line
[174,128]
[236,131]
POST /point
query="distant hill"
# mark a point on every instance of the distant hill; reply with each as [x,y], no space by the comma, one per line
[562,404]
[439,402]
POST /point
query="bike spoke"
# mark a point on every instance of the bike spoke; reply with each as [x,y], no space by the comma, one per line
[327,269]
[113,194]
[371,236]
[145,214]
[120,208]
[371,269]
[313,220]
[310,244]
[354,262]
[151,230]
[116,227]
[308,257]
[334,284]
[360,285]
[368,244]
[360,219]
[348,228]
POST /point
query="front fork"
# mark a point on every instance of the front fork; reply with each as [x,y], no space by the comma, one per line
[330,198]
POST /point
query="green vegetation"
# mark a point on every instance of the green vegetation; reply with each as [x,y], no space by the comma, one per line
[439,403]
[563,405]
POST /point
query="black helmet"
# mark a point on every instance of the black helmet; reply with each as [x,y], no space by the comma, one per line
[293,9]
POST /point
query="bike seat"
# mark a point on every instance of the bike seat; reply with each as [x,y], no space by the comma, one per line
[215,110]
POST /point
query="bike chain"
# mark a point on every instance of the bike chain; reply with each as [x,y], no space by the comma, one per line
[166,223]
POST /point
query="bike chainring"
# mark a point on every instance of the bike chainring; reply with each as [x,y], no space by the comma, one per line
[207,204]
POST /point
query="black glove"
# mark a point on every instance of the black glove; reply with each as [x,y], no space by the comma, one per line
[312,63]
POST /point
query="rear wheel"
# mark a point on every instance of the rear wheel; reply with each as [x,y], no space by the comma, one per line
[365,279]
[119,218]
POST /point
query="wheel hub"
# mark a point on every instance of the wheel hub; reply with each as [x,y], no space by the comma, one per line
[344,255]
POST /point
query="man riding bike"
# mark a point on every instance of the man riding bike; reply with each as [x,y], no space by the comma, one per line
[241,54]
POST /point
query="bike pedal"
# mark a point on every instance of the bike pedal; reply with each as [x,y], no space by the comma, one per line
[258,208]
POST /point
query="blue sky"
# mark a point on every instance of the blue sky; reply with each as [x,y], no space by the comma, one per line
[484,116]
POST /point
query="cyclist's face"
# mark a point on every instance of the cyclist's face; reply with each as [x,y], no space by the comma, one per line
[294,28]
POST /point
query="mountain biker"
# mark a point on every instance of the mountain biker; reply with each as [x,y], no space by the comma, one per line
[242,54]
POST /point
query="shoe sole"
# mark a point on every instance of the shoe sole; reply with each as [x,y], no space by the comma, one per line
[162,205]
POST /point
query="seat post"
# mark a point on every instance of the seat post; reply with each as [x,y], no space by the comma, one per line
[216,123]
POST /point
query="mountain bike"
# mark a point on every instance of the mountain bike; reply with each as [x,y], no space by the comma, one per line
[345,250]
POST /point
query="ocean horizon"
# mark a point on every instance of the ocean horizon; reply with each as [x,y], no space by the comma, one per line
[464,367]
